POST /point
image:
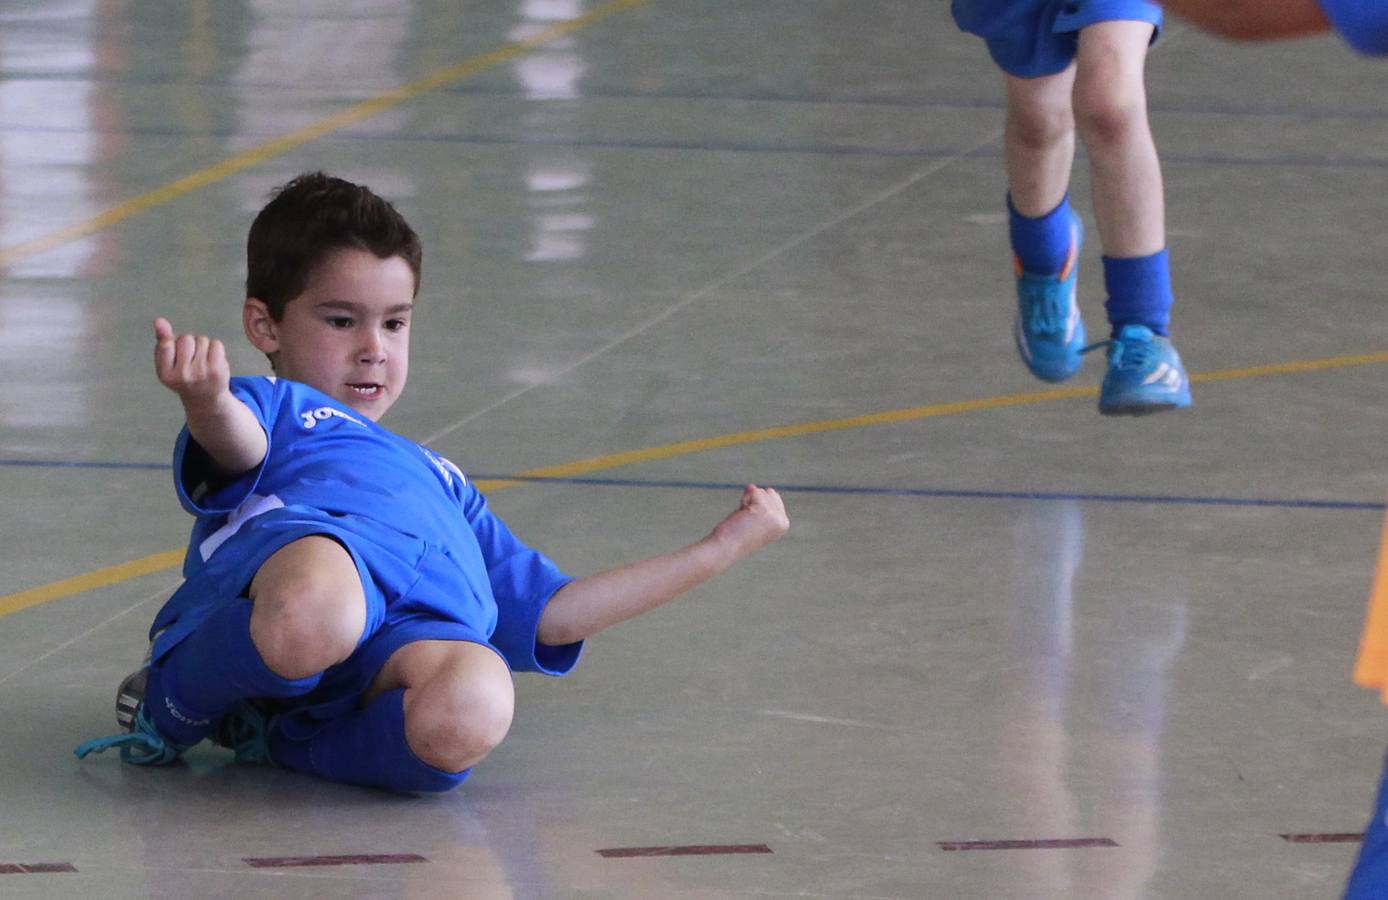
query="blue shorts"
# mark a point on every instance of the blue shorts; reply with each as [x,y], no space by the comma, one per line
[1035,38]
[414,592]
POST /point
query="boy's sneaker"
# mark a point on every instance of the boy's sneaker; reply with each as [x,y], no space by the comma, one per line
[1144,375]
[246,730]
[1049,331]
[142,745]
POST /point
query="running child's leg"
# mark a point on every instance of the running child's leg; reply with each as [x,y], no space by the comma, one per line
[1145,372]
[436,709]
[1110,100]
[1039,142]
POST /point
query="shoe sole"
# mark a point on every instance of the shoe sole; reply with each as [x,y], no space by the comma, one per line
[1142,409]
[129,696]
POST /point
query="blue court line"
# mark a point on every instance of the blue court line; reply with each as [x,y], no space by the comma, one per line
[1288,503]
[954,493]
[79,464]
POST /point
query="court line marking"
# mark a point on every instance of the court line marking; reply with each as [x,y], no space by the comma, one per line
[355,859]
[36,868]
[1338,837]
[959,493]
[357,112]
[1046,844]
[682,850]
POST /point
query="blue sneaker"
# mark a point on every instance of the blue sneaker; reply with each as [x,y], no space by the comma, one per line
[1144,375]
[141,746]
[246,730]
[1049,331]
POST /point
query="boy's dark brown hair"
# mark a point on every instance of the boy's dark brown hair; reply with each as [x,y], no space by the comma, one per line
[310,218]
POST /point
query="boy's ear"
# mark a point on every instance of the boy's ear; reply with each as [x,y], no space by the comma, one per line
[261,329]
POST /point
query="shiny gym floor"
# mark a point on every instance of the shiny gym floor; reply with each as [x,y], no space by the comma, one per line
[1010,648]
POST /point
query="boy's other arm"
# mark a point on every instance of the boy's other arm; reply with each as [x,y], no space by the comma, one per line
[195,368]
[1252,20]
[588,605]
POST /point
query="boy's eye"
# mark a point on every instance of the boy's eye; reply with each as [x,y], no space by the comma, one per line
[340,321]
[395,324]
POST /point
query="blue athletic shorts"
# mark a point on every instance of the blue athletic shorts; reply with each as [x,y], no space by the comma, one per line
[1035,38]
[414,591]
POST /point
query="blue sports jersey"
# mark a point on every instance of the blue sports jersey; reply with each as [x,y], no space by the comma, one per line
[323,456]
[1362,23]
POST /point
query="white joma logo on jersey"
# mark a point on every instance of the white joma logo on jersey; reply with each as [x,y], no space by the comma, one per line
[314,416]
[445,466]
[1166,376]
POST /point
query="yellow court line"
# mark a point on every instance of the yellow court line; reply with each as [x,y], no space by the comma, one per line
[666,451]
[350,116]
[1289,368]
[171,558]
[145,565]
[889,417]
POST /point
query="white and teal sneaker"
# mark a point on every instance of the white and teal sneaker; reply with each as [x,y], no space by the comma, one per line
[1049,330]
[1144,375]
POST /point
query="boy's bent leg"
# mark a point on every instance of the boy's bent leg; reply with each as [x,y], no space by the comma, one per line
[436,708]
[305,601]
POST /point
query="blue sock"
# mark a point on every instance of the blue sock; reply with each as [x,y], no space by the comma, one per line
[1139,291]
[209,672]
[1042,245]
[366,747]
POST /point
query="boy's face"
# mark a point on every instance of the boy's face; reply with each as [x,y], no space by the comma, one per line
[347,334]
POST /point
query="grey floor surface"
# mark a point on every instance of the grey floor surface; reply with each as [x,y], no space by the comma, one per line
[1115,653]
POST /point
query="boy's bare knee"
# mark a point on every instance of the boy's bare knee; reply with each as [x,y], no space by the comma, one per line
[454,722]
[300,633]
[309,610]
[1110,94]
[1107,118]
[1040,126]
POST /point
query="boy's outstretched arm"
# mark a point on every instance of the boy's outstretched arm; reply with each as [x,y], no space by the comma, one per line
[195,368]
[588,605]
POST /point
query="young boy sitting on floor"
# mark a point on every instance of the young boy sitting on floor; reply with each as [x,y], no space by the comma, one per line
[351,607]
